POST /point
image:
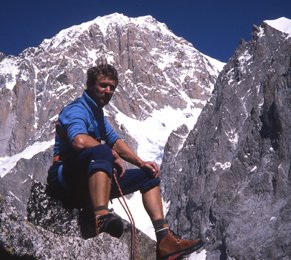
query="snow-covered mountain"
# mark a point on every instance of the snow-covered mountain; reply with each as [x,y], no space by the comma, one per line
[281,24]
[164,83]
[154,65]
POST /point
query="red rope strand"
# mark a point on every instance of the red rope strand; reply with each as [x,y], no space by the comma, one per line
[134,248]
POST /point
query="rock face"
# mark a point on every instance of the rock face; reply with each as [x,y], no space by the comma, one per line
[230,182]
[17,183]
[53,231]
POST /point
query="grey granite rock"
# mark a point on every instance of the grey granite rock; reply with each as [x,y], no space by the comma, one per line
[52,230]
[232,175]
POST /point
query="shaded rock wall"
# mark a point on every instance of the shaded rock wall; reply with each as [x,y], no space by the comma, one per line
[233,174]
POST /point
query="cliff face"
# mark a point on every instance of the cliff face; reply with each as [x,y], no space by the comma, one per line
[230,182]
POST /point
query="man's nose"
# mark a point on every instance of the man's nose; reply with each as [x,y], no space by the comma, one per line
[108,89]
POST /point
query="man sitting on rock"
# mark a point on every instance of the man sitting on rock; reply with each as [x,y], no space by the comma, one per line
[87,152]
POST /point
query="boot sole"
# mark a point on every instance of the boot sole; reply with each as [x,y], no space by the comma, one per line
[181,254]
[115,228]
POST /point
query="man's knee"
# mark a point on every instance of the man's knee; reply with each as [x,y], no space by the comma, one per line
[100,158]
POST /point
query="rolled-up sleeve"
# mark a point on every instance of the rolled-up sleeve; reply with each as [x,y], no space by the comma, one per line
[110,135]
[84,117]
[73,120]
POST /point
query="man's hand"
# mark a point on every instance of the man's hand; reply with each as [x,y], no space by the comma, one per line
[152,169]
[119,164]
[122,150]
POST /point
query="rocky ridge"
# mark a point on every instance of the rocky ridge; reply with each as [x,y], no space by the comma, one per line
[230,182]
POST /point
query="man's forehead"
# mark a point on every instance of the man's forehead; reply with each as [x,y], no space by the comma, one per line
[104,78]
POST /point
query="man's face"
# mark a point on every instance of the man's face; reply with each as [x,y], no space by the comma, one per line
[103,91]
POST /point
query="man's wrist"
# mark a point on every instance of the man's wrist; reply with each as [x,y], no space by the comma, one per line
[115,154]
[140,163]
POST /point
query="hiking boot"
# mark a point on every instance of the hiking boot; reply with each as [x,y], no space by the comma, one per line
[173,247]
[109,223]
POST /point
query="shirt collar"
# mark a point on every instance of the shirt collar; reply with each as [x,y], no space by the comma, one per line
[90,102]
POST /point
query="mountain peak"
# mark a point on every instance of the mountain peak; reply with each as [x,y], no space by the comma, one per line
[282,24]
[105,24]
[120,19]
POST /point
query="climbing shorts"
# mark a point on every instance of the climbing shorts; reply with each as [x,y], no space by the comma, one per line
[66,174]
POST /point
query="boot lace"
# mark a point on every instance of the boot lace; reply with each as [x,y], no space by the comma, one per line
[99,223]
[175,236]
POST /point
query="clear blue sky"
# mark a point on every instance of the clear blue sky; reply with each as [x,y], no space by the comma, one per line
[214,27]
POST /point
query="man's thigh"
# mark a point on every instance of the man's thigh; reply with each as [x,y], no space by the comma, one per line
[133,180]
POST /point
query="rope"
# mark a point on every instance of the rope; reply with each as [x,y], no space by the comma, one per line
[134,243]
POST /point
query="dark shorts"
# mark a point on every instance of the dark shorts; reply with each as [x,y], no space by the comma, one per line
[66,176]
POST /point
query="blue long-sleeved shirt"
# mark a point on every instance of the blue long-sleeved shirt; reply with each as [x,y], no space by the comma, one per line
[82,116]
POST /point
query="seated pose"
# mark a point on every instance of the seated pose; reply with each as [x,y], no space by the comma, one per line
[87,152]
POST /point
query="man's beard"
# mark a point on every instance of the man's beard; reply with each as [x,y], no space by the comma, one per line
[102,100]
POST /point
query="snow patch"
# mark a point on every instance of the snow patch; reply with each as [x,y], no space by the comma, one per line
[232,136]
[13,195]
[244,60]
[282,24]
[7,163]
[198,256]
[254,168]
[153,132]
[222,166]
[261,32]
[273,219]
[218,65]
[9,68]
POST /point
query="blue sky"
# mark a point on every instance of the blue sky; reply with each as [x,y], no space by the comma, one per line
[214,27]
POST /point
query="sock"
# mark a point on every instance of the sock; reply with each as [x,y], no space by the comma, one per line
[101,210]
[161,229]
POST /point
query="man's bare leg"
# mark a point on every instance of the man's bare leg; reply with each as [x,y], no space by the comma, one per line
[99,190]
[153,203]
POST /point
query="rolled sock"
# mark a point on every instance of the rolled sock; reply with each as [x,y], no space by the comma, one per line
[101,210]
[161,229]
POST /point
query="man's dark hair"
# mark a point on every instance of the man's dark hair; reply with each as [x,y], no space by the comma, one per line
[105,70]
